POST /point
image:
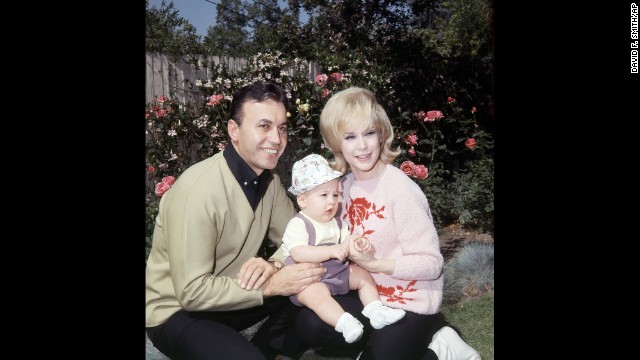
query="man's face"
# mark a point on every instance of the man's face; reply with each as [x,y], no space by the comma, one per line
[262,137]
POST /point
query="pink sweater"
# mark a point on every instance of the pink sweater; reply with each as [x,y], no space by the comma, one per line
[393,213]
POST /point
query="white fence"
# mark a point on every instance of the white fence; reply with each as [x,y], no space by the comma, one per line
[164,77]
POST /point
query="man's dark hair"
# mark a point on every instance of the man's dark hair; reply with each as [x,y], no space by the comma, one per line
[256,92]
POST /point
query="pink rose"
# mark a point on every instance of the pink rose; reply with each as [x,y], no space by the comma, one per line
[151,169]
[451,99]
[336,76]
[162,187]
[411,139]
[407,167]
[169,180]
[470,143]
[325,92]
[215,99]
[433,115]
[412,151]
[421,172]
[321,79]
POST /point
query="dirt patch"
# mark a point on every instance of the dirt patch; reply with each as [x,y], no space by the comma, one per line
[454,237]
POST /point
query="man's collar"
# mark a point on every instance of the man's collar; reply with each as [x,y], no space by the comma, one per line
[240,169]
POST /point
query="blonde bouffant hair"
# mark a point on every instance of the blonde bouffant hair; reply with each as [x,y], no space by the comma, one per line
[348,109]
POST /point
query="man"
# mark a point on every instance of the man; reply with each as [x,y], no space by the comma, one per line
[204,282]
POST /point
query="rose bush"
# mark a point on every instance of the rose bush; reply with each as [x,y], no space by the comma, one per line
[442,145]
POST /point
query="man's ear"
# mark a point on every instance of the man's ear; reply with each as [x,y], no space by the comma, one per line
[232,129]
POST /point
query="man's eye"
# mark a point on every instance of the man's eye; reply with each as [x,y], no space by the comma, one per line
[282,128]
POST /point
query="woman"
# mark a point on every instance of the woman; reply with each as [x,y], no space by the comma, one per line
[384,205]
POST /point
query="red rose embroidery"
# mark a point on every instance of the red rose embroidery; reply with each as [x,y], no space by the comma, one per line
[358,210]
[397,293]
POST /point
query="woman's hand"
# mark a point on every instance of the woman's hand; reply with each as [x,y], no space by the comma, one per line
[363,245]
[360,249]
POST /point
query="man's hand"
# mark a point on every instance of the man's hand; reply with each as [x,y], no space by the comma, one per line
[254,272]
[292,279]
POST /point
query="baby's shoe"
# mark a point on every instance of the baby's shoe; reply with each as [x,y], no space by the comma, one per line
[381,315]
[350,328]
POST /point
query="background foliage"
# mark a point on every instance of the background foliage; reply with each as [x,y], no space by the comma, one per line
[418,57]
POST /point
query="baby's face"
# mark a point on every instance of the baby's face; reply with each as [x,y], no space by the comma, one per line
[321,203]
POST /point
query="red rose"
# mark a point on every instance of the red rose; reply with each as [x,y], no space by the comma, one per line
[421,172]
[451,99]
[336,76]
[151,169]
[169,180]
[470,143]
[162,187]
[408,167]
[412,151]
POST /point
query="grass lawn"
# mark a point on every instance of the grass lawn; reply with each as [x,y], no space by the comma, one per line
[474,319]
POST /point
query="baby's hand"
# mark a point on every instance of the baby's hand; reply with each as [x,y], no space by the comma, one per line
[339,251]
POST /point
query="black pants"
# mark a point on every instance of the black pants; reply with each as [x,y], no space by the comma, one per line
[290,330]
[214,335]
[406,339]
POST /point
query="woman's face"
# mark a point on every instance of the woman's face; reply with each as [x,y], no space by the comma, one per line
[361,150]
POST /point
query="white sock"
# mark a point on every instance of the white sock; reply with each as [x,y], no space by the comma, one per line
[350,327]
[381,315]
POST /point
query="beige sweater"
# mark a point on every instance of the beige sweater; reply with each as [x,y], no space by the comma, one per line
[204,232]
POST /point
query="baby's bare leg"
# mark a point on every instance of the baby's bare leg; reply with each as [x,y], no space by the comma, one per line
[361,280]
[317,297]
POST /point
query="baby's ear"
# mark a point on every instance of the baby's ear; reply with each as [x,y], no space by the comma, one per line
[301,200]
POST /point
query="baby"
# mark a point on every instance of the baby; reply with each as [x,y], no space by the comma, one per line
[316,234]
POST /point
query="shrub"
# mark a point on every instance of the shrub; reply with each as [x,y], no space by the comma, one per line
[443,147]
[469,273]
